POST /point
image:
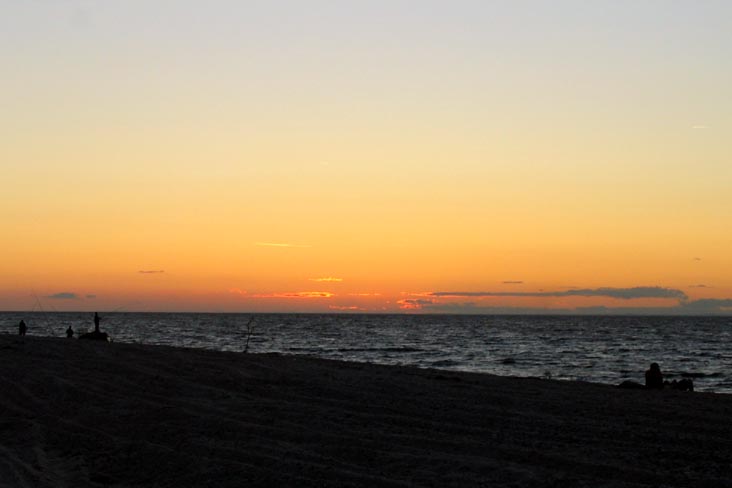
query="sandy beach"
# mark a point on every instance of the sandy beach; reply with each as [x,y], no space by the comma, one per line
[78,413]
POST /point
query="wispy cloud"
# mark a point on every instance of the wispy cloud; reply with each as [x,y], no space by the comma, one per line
[699,286]
[280,244]
[620,293]
[513,282]
[699,127]
[151,271]
[364,294]
[64,295]
[91,296]
[347,308]
[418,293]
[328,279]
[299,294]
[414,303]
[237,291]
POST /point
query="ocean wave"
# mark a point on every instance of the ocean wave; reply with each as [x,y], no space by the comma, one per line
[701,375]
[444,363]
[380,349]
[404,349]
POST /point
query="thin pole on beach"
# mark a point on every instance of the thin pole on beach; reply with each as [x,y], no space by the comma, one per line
[250,331]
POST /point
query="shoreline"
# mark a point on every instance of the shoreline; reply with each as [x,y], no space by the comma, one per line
[609,351]
[81,413]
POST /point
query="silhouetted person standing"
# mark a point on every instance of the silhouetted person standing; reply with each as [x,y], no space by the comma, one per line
[70,333]
[97,335]
[22,328]
[654,377]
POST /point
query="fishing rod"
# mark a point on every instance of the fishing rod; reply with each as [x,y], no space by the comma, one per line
[49,329]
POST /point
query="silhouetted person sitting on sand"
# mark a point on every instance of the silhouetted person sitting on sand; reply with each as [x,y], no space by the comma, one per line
[654,381]
[70,332]
[654,377]
[22,328]
[683,385]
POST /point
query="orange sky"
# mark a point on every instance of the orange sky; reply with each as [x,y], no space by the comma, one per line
[224,159]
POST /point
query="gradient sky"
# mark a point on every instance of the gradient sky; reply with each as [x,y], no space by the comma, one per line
[381,156]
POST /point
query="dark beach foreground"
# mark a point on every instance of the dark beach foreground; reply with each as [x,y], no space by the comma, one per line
[76,413]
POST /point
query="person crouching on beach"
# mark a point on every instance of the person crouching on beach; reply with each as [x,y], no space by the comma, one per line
[654,377]
[22,328]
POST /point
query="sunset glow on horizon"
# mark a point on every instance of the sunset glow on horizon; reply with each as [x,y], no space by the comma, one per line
[431,157]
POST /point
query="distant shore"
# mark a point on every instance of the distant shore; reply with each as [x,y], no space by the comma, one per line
[78,413]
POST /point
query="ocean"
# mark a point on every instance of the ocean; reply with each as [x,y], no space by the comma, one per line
[580,348]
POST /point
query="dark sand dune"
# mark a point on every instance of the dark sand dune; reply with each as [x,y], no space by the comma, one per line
[75,413]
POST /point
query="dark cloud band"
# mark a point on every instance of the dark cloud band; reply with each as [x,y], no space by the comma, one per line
[621,293]
[706,306]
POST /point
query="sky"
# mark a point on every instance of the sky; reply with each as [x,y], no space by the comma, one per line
[366,156]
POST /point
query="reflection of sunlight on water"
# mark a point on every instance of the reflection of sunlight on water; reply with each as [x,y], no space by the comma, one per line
[600,349]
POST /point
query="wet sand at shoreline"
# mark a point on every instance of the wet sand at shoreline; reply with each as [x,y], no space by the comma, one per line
[78,413]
